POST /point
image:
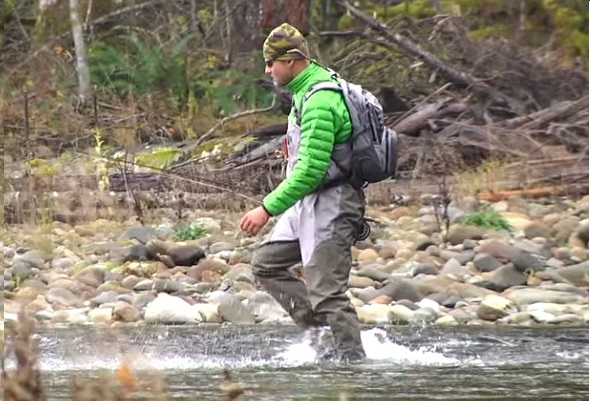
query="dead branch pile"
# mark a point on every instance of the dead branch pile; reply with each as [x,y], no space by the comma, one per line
[483,99]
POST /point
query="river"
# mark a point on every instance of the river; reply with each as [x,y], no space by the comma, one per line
[277,363]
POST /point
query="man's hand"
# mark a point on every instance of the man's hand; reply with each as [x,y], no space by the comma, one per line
[254,220]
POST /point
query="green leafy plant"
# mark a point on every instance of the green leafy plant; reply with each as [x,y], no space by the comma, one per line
[488,219]
[189,232]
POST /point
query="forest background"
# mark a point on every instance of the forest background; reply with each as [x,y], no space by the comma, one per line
[112,88]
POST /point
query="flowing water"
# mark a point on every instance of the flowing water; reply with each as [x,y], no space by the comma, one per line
[277,363]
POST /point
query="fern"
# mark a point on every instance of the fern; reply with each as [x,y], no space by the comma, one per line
[489,219]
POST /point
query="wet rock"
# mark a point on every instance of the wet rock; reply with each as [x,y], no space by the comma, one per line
[170,309]
[100,315]
[125,312]
[104,298]
[209,312]
[232,310]
[493,307]
[447,320]
[265,308]
[523,262]
[425,269]
[375,314]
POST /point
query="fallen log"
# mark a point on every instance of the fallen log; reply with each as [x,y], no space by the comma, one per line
[539,192]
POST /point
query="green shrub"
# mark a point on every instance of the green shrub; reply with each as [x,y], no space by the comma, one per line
[190,232]
[488,219]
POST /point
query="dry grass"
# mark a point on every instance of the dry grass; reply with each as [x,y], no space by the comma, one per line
[490,175]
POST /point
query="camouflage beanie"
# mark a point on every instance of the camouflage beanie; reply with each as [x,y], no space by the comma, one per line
[285,43]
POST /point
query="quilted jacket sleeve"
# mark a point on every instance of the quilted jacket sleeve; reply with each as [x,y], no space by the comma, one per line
[318,129]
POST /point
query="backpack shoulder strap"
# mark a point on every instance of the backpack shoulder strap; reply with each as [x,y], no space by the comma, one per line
[324,85]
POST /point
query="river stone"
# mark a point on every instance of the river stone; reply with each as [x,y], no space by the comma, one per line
[62,296]
[400,314]
[446,320]
[401,289]
[92,276]
[73,316]
[429,303]
[493,307]
[208,224]
[131,281]
[498,249]
[373,272]
[241,272]
[425,269]
[170,309]
[100,315]
[367,255]
[212,265]
[451,301]
[265,308]
[125,312]
[507,276]
[575,274]
[209,312]
[142,234]
[538,229]
[486,263]
[62,263]
[453,268]
[523,262]
[374,314]
[355,281]
[232,310]
[579,254]
[22,270]
[31,258]
[136,253]
[186,255]
[104,298]
[140,301]
[220,247]
[527,296]
[423,315]
[381,299]
[366,294]
[462,316]
[459,233]
[29,293]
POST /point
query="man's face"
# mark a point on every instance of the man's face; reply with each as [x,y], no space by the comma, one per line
[280,71]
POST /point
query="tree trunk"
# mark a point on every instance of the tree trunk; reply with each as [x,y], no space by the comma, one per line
[81,62]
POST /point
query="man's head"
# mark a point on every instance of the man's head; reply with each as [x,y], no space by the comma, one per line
[285,53]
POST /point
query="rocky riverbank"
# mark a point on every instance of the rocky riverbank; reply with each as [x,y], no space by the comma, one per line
[111,273]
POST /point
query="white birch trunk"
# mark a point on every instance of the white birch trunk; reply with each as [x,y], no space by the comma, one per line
[81,62]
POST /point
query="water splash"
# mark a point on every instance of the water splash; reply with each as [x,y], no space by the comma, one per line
[163,351]
[378,347]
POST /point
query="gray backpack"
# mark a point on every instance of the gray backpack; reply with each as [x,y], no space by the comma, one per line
[374,146]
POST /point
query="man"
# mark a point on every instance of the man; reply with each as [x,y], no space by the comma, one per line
[320,209]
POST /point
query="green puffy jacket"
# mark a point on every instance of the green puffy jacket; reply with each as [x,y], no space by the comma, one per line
[324,122]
